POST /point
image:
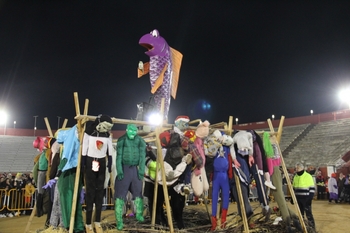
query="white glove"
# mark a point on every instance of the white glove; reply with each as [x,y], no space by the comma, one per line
[260,172]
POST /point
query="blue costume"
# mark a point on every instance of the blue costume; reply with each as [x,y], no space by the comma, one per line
[221,182]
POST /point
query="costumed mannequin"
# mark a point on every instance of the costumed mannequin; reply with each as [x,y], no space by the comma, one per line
[163,67]
[56,214]
[53,162]
[244,142]
[258,169]
[65,178]
[175,164]
[199,179]
[273,162]
[243,148]
[222,173]
[130,164]
[97,143]
[41,143]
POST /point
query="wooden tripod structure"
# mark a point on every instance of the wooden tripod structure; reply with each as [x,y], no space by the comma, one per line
[277,138]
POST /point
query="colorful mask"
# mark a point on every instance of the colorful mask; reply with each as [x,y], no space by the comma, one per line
[131,131]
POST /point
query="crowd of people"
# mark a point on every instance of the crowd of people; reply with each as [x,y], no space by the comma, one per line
[17,182]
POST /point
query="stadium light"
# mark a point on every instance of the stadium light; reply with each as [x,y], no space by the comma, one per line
[344,96]
[236,121]
[311,112]
[3,119]
[273,117]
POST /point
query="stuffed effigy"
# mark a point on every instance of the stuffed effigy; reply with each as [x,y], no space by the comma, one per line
[199,179]
[97,143]
[273,162]
[243,160]
[163,67]
[260,168]
[65,178]
[130,164]
[42,165]
[222,173]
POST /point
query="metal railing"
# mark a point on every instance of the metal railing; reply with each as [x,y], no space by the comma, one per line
[14,200]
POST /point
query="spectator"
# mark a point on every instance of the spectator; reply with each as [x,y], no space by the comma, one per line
[346,189]
[8,187]
[321,188]
[29,191]
[333,188]
[340,183]
[304,188]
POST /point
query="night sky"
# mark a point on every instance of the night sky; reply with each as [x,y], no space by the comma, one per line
[248,59]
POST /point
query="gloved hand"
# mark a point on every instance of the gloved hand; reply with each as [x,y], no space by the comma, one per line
[82,195]
[50,183]
[140,176]
[109,164]
[187,159]
[120,176]
[260,172]
[170,175]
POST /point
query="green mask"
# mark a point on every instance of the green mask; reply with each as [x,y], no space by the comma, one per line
[131,131]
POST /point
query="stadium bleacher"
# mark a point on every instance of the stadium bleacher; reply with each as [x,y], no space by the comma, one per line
[17,153]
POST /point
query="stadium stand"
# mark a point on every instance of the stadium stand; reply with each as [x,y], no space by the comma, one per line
[17,153]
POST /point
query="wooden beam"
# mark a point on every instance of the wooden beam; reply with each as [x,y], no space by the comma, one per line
[165,187]
[284,169]
[48,126]
[81,129]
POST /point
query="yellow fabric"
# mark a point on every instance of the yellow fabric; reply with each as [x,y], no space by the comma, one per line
[176,58]
[152,170]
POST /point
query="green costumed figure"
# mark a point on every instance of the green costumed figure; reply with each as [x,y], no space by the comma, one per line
[130,163]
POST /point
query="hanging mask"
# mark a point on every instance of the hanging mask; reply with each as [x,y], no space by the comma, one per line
[131,131]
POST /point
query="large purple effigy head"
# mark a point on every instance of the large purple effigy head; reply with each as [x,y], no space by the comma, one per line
[154,43]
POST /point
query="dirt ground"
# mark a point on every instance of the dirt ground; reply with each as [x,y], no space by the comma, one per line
[330,218]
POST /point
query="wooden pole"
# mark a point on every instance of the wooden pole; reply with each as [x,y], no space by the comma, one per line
[81,129]
[64,125]
[241,202]
[48,126]
[30,219]
[238,185]
[277,139]
[165,187]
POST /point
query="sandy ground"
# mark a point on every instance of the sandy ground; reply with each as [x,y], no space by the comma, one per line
[330,218]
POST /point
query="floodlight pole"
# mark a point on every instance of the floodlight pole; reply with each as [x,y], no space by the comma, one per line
[35,124]
[58,122]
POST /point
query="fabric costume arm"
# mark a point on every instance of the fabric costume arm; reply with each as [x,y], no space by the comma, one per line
[151,155]
[85,148]
[142,152]
[258,156]
[110,152]
[119,159]
[196,156]
[179,170]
